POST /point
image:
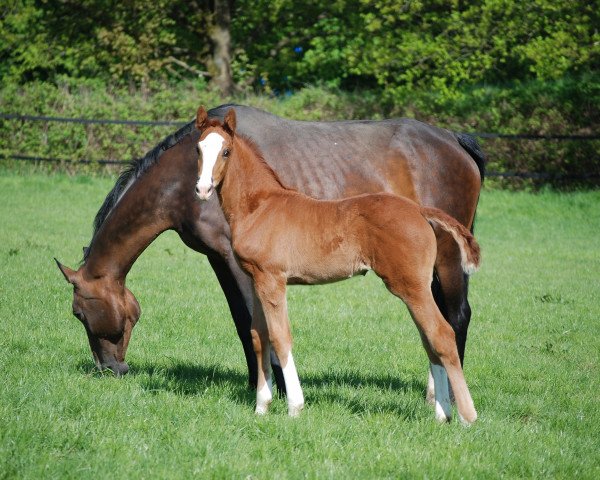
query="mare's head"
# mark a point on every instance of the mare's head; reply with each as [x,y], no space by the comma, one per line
[215,146]
[108,311]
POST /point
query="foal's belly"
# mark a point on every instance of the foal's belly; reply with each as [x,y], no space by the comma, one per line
[319,277]
[318,265]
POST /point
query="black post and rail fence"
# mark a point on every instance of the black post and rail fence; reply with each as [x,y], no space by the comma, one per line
[176,124]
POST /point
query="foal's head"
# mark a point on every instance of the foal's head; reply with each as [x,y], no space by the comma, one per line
[108,311]
[215,147]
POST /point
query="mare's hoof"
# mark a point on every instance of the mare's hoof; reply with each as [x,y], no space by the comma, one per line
[441,417]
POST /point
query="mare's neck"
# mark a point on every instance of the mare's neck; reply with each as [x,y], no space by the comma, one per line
[133,224]
[247,182]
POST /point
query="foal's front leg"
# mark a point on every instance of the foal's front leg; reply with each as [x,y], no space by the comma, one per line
[262,349]
[271,290]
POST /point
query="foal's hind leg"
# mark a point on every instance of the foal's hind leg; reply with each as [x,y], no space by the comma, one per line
[450,289]
[439,342]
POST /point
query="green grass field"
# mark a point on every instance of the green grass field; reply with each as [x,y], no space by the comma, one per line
[184,410]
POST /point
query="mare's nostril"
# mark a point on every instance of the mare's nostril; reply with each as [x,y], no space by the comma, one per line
[119,368]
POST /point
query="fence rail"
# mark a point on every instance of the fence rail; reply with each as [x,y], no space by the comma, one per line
[178,123]
[89,121]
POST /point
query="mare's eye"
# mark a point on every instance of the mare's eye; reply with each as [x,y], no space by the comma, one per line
[226,152]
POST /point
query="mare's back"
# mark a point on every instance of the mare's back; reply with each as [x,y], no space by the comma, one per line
[339,159]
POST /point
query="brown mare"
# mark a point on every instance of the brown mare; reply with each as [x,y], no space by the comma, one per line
[328,160]
[281,237]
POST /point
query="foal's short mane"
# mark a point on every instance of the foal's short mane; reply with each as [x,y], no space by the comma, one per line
[250,145]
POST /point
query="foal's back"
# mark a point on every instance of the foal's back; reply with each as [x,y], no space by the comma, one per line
[313,241]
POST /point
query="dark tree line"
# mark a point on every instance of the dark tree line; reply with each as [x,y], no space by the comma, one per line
[395,46]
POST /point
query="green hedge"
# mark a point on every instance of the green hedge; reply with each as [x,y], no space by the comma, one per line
[564,107]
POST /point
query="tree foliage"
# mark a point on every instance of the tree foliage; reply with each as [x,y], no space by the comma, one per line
[396,46]
[119,41]
[402,46]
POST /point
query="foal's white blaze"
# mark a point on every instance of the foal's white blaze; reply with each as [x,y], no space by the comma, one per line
[292,387]
[443,407]
[210,148]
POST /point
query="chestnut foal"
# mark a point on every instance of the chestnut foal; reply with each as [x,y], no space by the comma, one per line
[281,236]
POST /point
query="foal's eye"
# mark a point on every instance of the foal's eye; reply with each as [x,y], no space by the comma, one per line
[226,152]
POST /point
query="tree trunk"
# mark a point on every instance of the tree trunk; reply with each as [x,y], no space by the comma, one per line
[221,38]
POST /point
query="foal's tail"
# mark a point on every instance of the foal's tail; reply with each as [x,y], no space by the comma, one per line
[470,252]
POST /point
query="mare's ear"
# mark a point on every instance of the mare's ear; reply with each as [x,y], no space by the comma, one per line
[201,117]
[230,122]
[69,274]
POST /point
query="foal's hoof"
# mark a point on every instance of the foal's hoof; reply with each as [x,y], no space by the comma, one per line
[468,420]
[294,410]
[261,409]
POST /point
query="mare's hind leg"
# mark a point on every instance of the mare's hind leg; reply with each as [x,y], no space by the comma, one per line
[452,293]
[271,291]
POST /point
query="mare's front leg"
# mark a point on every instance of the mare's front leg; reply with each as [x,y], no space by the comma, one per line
[237,290]
[271,293]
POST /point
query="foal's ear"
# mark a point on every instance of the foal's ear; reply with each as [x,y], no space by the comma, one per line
[201,117]
[69,274]
[230,122]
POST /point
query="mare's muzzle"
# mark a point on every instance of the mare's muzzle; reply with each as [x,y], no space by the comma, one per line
[118,368]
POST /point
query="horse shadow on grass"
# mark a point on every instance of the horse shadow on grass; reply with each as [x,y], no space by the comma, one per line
[182,379]
[355,391]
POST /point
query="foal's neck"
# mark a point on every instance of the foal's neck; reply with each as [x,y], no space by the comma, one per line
[248,181]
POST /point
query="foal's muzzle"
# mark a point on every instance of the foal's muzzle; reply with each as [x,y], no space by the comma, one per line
[204,192]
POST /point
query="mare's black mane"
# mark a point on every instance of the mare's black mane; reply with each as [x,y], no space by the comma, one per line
[134,170]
